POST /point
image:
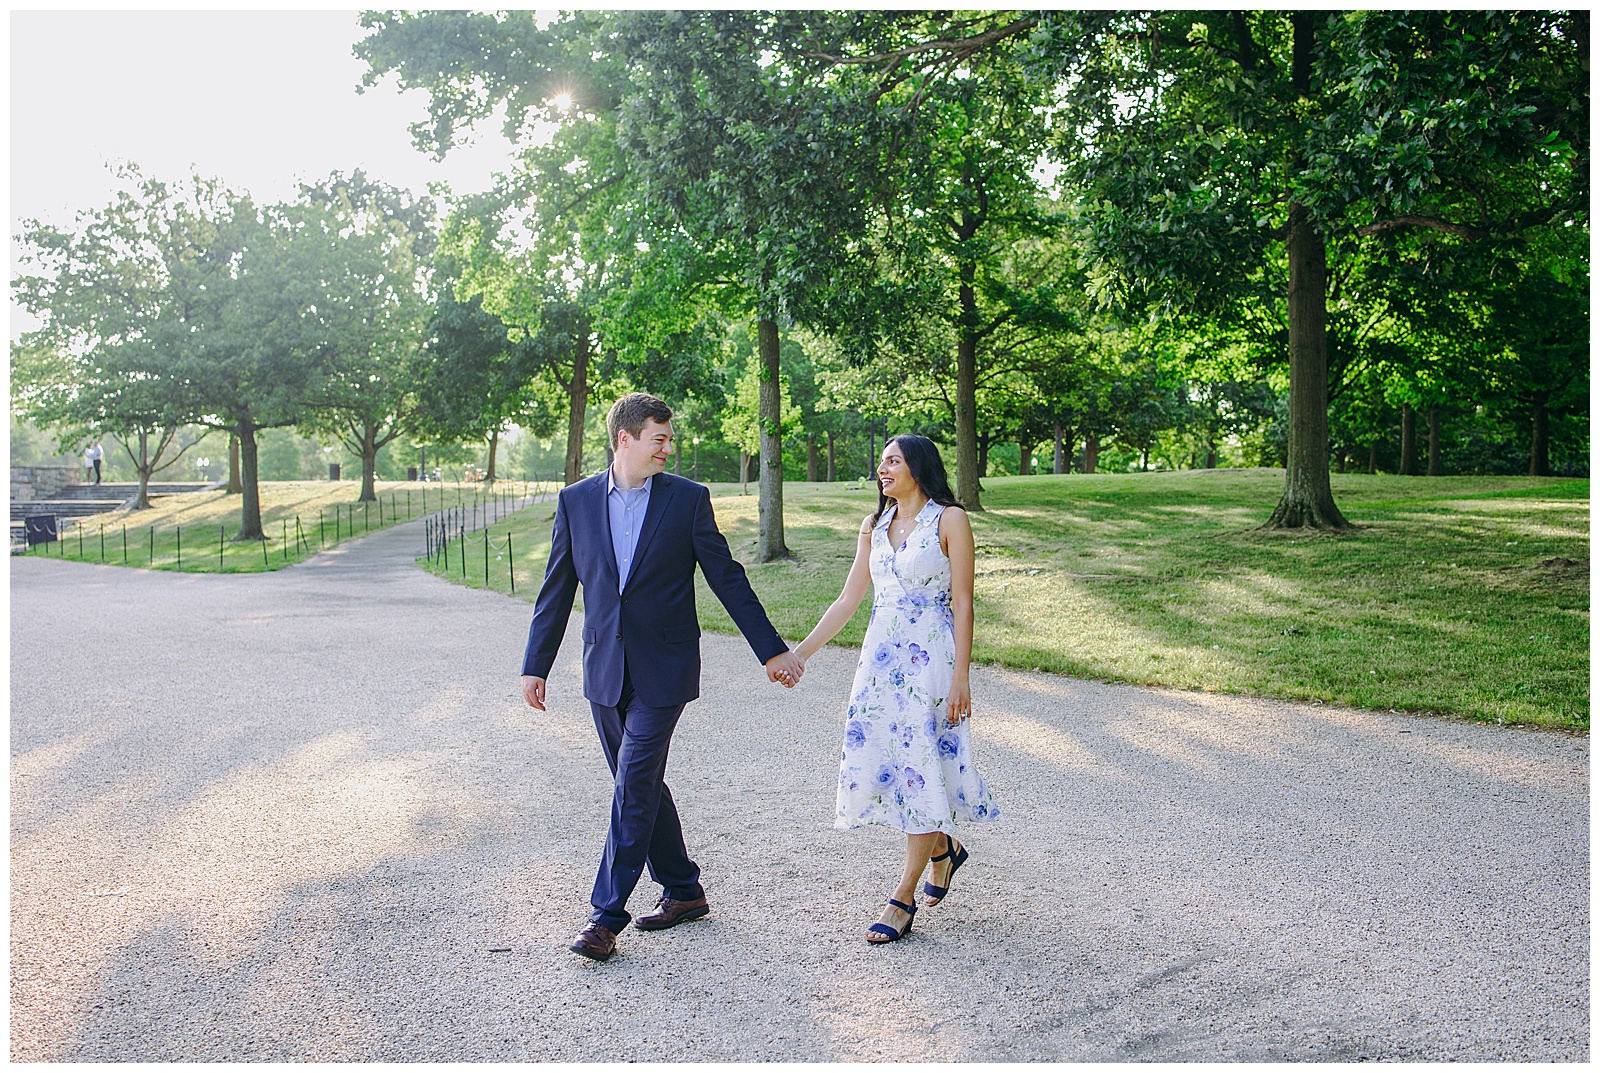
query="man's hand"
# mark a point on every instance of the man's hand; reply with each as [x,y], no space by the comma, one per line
[533,691]
[786,668]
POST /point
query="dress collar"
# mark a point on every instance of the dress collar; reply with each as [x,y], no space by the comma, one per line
[893,509]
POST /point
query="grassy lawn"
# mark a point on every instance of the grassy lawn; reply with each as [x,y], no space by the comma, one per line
[1454,595]
[298,518]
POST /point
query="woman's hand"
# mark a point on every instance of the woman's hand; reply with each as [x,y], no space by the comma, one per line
[959,706]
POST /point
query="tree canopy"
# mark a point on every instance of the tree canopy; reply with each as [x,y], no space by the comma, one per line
[1057,240]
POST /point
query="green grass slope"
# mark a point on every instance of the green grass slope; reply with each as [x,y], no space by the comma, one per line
[1459,595]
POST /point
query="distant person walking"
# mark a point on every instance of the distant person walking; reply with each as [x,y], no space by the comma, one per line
[95,455]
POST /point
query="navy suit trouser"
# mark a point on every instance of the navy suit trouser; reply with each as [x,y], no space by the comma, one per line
[644,822]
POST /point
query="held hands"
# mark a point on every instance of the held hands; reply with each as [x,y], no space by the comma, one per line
[786,668]
[959,707]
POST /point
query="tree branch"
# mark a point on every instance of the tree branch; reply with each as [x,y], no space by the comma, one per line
[1433,223]
[585,196]
[964,46]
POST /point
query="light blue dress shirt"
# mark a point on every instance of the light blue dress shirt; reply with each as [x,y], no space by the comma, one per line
[626,510]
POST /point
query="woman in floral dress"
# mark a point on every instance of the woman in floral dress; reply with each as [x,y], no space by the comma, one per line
[907,757]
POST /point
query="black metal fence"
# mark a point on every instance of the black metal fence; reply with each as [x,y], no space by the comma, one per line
[453,536]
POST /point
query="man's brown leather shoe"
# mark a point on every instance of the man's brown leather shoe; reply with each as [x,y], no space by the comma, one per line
[668,912]
[595,942]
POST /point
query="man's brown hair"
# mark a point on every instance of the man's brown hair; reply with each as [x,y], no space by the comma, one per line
[631,412]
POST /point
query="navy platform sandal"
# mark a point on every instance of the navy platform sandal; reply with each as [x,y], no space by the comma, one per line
[890,933]
[957,859]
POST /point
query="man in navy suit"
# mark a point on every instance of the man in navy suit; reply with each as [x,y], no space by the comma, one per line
[632,536]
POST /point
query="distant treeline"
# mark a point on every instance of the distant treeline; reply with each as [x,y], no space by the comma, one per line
[1052,241]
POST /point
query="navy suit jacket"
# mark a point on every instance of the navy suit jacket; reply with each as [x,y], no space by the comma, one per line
[651,624]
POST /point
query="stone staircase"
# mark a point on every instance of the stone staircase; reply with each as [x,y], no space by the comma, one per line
[82,500]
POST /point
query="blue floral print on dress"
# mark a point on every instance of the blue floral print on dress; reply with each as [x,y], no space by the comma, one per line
[903,676]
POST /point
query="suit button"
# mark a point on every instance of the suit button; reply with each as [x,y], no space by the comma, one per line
[619,636]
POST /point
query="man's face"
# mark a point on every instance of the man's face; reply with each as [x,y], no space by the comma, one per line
[647,455]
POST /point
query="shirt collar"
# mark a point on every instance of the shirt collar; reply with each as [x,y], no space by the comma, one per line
[611,482]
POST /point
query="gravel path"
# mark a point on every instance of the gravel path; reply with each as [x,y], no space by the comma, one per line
[306,816]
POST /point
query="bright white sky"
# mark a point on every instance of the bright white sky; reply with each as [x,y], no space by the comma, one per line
[258,99]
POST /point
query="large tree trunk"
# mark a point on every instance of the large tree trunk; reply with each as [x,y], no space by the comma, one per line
[1435,446]
[1372,456]
[769,540]
[1024,460]
[1408,440]
[250,511]
[833,470]
[969,467]
[577,404]
[811,456]
[1091,451]
[1539,447]
[369,464]
[235,482]
[983,454]
[142,501]
[1060,461]
[494,449]
[1211,454]
[744,472]
[1307,493]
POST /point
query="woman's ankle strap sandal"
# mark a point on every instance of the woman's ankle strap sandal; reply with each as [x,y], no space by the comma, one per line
[957,859]
[890,935]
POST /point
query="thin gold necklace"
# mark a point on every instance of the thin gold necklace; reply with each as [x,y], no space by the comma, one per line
[909,520]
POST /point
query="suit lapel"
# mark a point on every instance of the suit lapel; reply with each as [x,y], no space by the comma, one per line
[660,492]
[603,524]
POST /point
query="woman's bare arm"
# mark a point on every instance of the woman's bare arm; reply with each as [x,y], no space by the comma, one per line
[955,536]
[841,610]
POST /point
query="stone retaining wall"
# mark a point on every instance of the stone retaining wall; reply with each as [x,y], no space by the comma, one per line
[42,482]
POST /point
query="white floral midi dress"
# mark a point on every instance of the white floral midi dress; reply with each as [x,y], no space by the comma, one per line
[903,765]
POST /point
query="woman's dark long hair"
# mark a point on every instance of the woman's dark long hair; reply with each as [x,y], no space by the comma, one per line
[927,469]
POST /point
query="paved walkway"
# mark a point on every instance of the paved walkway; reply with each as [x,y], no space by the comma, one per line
[306,816]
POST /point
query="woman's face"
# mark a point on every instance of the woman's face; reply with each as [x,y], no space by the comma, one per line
[894,476]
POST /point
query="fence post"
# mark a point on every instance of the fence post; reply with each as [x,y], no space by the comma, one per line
[222,532]
[124,543]
[486,558]
[180,547]
[152,545]
[266,564]
[511,563]
[285,547]
[102,541]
